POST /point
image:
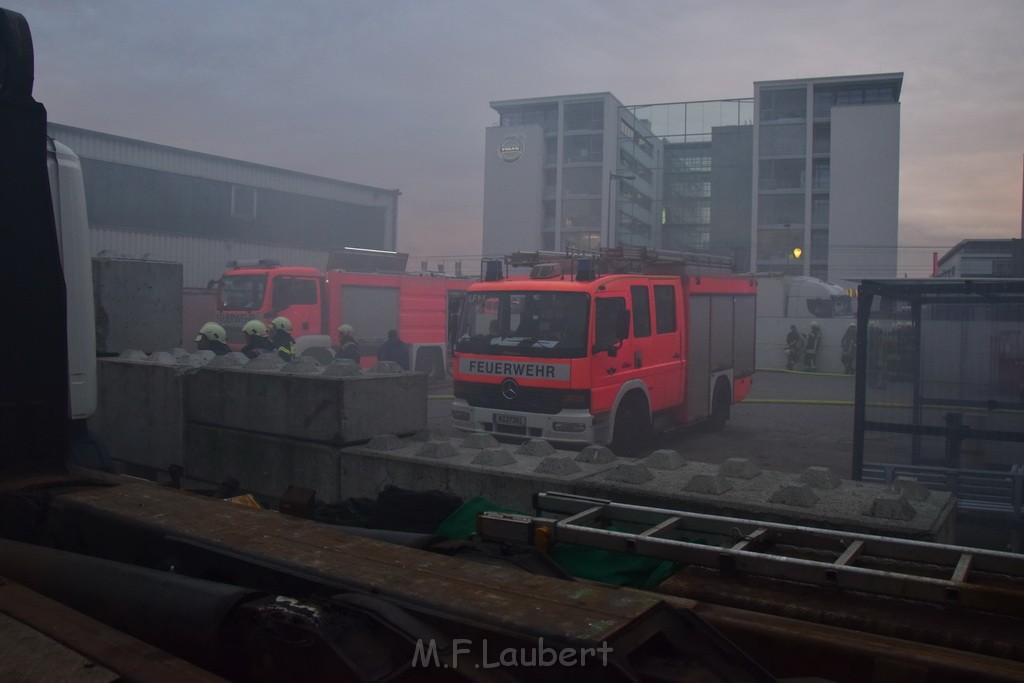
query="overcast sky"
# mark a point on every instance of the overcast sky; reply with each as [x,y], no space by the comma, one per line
[395,93]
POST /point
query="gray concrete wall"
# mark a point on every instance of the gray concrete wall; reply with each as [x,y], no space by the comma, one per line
[271,427]
[256,421]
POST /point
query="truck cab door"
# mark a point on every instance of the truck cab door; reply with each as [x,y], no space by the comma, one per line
[298,299]
[612,350]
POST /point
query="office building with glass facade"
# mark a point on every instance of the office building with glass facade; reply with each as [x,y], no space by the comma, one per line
[810,164]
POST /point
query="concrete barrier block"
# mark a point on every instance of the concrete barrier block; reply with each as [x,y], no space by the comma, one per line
[342,367]
[386,367]
[910,488]
[265,361]
[739,468]
[310,407]
[798,496]
[536,448]
[665,459]
[437,450]
[228,360]
[479,440]
[558,466]
[321,353]
[262,464]
[385,442]
[429,435]
[195,360]
[494,457]
[596,454]
[819,478]
[633,473]
[712,484]
[892,507]
[303,365]
[139,413]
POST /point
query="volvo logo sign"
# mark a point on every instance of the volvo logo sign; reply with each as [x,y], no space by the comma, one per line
[509,389]
[511,148]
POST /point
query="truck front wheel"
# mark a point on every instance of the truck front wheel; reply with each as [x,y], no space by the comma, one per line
[631,432]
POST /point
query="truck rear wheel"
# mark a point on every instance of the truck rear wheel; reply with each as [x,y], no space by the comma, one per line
[631,432]
[720,406]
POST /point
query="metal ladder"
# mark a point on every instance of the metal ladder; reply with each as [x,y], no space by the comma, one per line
[973,578]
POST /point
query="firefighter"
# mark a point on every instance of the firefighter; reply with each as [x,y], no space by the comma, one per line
[212,337]
[347,346]
[257,339]
[849,349]
[394,349]
[792,347]
[811,349]
[281,338]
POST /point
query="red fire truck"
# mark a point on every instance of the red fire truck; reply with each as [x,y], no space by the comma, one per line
[603,348]
[317,302]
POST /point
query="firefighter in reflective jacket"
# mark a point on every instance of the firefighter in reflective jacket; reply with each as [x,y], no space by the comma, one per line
[257,341]
[212,337]
[811,349]
[282,339]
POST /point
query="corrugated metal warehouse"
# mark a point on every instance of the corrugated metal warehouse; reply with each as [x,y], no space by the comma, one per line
[149,201]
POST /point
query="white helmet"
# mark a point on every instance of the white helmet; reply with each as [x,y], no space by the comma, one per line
[346,329]
[255,328]
[281,323]
[213,332]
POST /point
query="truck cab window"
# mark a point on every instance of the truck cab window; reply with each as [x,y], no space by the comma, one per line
[665,308]
[641,310]
[608,312]
[290,291]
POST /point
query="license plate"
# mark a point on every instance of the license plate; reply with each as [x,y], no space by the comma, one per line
[511,420]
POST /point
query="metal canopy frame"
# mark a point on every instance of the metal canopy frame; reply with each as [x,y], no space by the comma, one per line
[918,293]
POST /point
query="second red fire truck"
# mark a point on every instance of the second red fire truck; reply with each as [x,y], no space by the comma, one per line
[318,301]
[603,348]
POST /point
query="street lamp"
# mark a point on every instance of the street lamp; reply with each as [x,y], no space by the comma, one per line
[611,177]
[795,251]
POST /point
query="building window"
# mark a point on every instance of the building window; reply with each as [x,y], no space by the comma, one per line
[822,138]
[581,180]
[779,209]
[776,105]
[586,240]
[781,174]
[821,173]
[819,211]
[788,139]
[581,213]
[583,149]
[243,202]
[584,116]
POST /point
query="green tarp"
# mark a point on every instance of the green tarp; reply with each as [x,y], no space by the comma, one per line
[617,569]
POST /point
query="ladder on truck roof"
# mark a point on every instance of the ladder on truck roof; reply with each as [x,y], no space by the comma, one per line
[629,259]
[974,578]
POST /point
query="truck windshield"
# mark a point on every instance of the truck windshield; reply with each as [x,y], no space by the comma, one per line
[242,292]
[539,324]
